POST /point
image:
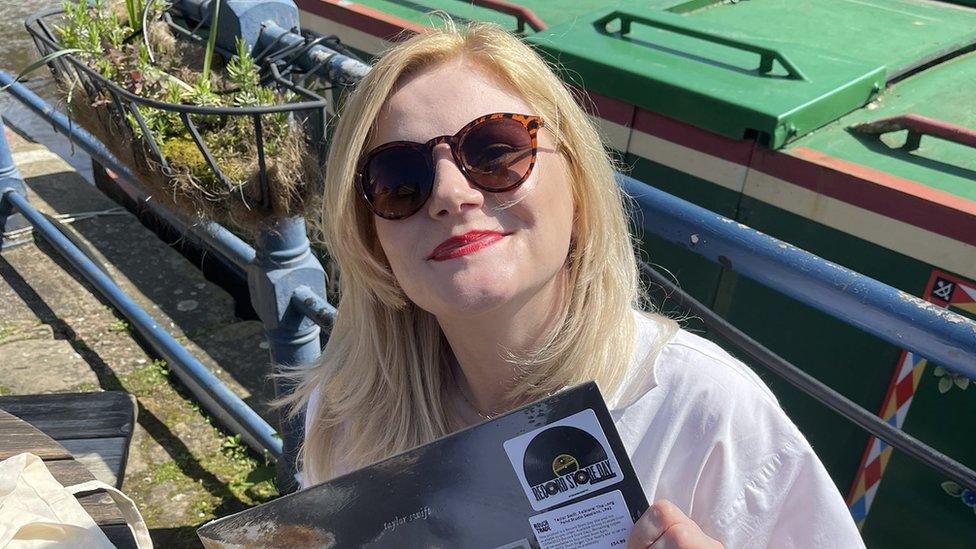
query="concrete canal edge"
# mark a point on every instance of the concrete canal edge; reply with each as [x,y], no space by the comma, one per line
[57,336]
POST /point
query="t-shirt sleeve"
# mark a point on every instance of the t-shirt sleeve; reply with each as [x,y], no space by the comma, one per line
[734,462]
[771,491]
[310,409]
[810,512]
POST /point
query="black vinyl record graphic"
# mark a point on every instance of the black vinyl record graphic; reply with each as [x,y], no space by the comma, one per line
[559,451]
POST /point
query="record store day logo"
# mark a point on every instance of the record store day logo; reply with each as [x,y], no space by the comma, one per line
[563,460]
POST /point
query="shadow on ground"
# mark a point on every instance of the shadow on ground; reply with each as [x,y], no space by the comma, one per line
[202,314]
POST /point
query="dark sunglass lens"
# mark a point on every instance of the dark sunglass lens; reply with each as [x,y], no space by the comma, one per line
[398,181]
[498,153]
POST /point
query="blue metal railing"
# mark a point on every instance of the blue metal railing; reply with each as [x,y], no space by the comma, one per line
[899,318]
[10,220]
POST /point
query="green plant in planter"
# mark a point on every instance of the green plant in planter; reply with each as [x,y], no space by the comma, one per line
[134,9]
[243,72]
[95,28]
[128,43]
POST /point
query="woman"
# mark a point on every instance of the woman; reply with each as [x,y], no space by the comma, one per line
[486,263]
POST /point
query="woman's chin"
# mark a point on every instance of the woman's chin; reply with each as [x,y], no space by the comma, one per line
[478,292]
[471,302]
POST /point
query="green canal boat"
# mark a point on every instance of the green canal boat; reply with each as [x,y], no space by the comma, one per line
[845,127]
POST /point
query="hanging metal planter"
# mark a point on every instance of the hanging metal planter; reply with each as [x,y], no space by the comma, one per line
[270,173]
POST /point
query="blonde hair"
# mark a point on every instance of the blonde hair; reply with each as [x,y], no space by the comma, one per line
[381,382]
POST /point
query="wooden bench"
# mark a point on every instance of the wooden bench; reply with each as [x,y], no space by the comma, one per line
[95,427]
[18,436]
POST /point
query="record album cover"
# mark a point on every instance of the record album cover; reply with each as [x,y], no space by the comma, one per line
[551,474]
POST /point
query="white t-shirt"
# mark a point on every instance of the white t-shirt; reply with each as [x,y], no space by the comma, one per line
[704,432]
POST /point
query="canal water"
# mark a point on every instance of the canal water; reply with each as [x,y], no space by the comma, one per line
[17,51]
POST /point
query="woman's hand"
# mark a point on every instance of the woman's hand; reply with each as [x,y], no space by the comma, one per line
[664,526]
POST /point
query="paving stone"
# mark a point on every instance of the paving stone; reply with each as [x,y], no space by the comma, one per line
[19,329]
[43,366]
[239,344]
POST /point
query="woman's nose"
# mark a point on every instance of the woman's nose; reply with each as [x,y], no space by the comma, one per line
[452,193]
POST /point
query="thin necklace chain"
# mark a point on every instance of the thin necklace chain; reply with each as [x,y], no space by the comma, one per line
[489,415]
[455,370]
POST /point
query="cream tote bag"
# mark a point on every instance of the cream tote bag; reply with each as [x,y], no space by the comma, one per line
[37,512]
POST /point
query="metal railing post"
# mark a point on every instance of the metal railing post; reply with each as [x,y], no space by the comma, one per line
[10,179]
[283,263]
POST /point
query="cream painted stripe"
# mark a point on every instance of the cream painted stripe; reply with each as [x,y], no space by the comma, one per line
[613,134]
[358,39]
[722,172]
[918,243]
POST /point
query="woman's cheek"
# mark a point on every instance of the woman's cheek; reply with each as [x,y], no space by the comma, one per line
[398,247]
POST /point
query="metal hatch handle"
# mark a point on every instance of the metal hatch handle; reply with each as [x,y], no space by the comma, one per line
[522,14]
[918,126]
[766,55]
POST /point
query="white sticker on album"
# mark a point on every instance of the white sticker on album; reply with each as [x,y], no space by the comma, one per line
[601,522]
[563,460]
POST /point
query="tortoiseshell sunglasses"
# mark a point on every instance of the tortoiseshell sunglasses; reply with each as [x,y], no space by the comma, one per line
[496,152]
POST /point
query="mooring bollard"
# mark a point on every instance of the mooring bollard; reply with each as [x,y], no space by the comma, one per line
[283,262]
[10,179]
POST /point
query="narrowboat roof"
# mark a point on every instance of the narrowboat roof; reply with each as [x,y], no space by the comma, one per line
[942,93]
[770,69]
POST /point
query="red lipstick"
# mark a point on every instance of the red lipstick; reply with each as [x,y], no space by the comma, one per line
[465,244]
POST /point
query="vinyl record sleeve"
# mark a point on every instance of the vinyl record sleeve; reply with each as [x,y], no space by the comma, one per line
[551,474]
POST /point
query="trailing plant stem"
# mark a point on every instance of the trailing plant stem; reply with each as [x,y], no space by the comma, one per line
[211,38]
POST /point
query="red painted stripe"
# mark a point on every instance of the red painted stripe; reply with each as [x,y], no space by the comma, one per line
[902,199]
[960,297]
[904,391]
[862,469]
[363,18]
[606,107]
[693,137]
[872,474]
